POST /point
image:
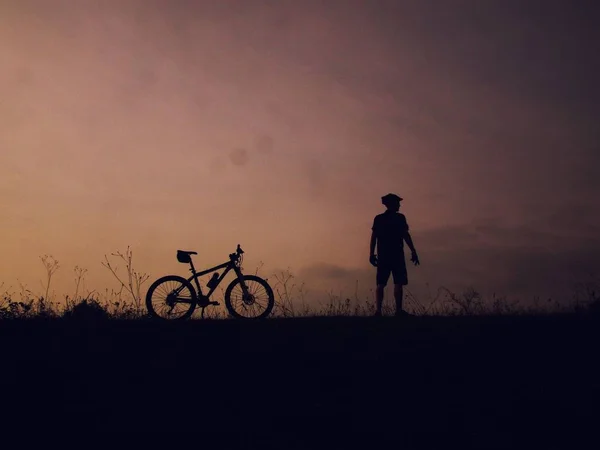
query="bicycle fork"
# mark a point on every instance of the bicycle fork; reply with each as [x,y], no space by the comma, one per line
[247,297]
[240,276]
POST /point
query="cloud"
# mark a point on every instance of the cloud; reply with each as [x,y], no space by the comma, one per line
[316,177]
[239,157]
[325,271]
[264,144]
[446,237]
[516,261]
[523,259]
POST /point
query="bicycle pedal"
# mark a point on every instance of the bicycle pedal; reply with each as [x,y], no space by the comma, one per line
[213,303]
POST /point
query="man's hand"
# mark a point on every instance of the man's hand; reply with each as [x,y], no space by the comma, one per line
[373,260]
[415,258]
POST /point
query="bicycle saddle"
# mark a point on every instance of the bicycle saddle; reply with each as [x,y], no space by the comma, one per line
[186,252]
[184,256]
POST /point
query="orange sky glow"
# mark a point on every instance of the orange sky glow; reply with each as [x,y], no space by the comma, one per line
[166,125]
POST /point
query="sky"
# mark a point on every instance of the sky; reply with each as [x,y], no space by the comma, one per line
[278,125]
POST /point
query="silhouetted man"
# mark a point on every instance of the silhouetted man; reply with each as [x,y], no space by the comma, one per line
[390,230]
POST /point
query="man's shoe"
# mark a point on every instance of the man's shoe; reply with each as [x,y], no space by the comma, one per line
[403,314]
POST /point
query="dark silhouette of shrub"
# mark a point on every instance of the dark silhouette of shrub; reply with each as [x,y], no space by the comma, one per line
[10,309]
[87,309]
[594,303]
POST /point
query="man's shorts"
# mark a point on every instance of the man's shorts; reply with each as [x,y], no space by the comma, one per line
[396,268]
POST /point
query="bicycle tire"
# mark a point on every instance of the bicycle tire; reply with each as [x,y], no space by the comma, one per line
[150,306]
[231,308]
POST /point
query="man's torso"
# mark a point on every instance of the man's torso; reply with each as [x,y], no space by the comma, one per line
[390,229]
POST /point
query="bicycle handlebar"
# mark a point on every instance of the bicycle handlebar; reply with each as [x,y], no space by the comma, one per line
[235,256]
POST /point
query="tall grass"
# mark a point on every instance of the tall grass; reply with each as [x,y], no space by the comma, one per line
[289,303]
[127,302]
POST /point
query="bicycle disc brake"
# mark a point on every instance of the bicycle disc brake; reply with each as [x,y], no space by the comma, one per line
[248,298]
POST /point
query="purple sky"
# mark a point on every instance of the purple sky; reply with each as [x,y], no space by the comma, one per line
[280,124]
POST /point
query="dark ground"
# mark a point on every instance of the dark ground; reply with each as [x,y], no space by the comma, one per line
[527,382]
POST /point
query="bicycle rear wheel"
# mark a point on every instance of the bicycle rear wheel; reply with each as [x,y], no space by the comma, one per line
[171,298]
[257,304]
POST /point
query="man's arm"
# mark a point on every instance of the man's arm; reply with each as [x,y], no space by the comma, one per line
[407,237]
[409,242]
[372,257]
[413,257]
[373,243]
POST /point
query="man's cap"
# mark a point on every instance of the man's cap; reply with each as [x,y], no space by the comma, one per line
[390,198]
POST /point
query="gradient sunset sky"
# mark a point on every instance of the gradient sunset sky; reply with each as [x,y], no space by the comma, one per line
[278,125]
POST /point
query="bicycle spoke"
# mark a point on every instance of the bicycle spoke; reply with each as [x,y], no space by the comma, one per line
[166,303]
[258,304]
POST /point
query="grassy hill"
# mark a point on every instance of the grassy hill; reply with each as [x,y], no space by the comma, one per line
[486,381]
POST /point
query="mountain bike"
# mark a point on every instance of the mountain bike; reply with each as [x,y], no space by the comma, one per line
[175,298]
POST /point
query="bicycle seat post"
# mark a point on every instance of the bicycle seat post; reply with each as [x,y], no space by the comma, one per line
[192,269]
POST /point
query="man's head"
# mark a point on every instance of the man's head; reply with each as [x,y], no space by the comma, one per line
[391,202]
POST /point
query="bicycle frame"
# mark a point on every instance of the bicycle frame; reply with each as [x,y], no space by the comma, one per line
[228,266]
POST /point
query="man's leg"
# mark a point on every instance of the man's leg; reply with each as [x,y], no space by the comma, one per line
[398,296]
[379,299]
[383,275]
[400,279]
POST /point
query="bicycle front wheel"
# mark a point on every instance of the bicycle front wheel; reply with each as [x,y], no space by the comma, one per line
[256,303]
[171,298]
